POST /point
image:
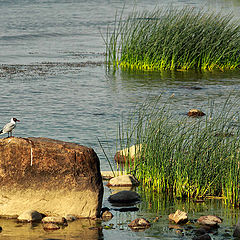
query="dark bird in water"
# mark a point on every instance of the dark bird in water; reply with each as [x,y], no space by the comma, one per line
[9,127]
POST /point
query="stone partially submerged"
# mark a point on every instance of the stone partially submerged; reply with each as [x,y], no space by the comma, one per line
[209,220]
[178,217]
[53,177]
[195,113]
[124,197]
[124,181]
[130,154]
[139,224]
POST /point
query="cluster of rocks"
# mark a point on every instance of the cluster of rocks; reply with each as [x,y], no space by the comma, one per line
[201,228]
[63,182]
[49,222]
[126,198]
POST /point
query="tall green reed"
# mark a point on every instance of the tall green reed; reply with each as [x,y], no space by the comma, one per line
[185,157]
[174,39]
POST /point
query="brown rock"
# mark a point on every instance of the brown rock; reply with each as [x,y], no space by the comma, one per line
[178,217]
[54,177]
[50,226]
[195,113]
[210,220]
[106,215]
[128,154]
[139,224]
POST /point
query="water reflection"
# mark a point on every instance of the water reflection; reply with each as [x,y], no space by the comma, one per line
[156,208]
[79,229]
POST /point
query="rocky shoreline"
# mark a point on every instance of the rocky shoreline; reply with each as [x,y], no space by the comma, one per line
[54,183]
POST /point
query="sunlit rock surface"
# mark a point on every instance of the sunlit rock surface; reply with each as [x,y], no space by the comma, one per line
[50,176]
[123,180]
[178,217]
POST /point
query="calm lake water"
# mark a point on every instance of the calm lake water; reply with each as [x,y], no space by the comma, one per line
[54,80]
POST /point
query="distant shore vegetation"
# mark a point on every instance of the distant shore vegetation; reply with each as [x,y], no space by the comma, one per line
[174,39]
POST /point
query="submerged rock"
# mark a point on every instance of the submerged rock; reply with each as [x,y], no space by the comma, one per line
[195,113]
[123,180]
[178,217]
[57,220]
[106,215]
[202,237]
[50,226]
[209,220]
[30,216]
[139,224]
[124,197]
[132,153]
[52,176]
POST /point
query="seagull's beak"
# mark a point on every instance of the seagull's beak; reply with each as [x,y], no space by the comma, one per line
[18,120]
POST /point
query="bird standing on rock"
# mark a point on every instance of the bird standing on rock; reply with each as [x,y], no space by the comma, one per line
[9,127]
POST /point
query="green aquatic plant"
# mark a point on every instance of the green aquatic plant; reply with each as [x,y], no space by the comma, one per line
[174,39]
[182,156]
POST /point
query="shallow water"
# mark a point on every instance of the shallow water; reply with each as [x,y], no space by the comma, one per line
[53,79]
[150,207]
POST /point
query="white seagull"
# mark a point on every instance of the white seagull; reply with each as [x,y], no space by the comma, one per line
[9,127]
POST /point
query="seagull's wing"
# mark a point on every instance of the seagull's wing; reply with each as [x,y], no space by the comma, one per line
[8,127]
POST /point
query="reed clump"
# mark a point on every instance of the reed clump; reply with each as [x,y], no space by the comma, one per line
[174,39]
[187,157]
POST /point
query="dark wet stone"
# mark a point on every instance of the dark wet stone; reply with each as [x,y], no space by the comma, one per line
[127,209]
[30,216]
[50,226]
[189,227]
[124,197]
[202,237]
[200,231]
[236,232]
[195,88]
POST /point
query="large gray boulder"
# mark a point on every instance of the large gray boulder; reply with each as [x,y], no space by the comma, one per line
[50,176]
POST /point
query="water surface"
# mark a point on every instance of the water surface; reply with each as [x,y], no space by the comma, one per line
[53,79]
